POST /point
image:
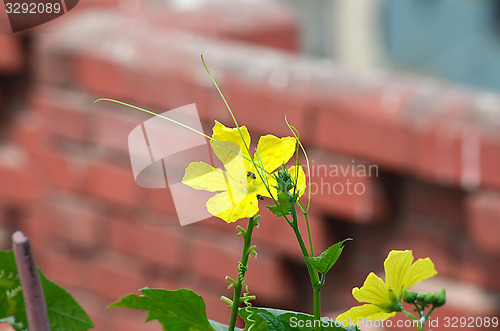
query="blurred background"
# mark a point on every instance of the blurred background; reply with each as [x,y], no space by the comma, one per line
[406,87]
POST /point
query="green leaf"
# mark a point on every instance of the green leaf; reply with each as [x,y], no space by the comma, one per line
[250,317]
[274,323]
[324,262]
[221,327]
[268,319]
[181,310]
[283,208]
[64,312]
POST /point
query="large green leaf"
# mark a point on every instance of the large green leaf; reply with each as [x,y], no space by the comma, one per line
[268,319]
[64,312]
[181,310]
[324,262]
[221,327]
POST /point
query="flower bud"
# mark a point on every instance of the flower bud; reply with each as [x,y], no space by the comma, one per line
[439,298]
[424,299]
[284,179]
[421,298]
[409,296]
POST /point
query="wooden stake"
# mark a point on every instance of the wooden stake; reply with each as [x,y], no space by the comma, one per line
[34,300]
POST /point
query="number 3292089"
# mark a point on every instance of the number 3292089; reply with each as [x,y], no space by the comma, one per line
[32,8]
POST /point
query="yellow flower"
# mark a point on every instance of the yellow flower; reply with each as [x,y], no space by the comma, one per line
[240,184]
[384,299]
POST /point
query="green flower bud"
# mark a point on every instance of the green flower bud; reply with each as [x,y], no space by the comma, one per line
[409,296]
[439,298]
[284,180]
[424,299]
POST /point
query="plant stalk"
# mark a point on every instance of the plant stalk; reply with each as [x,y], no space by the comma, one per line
[313,275]
[242,267]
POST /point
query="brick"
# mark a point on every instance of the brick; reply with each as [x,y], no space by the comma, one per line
[436,201]
[161,200]
[110,129]
[12,56]
[79,222]
[42,231]
[217,258]
[256,104]
[112,277]
[5,238]
[62,171]
[26,131]
[479,267]
[61,119]
[154,243]
[442,142]
[267,278]
[346,188]
[112,184]
[490,161]
[101,77]
[359,125]
[19,185]
[5,327]
[277,29]
[65,269]
[438,155]
[483,219]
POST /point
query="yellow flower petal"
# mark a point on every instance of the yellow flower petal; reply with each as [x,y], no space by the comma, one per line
[274,152]
[233,207]
[356,315]
[374,290]
[397,267]
[232,161]
[231,137]
[202,176]
[271,182]
[420,270]
[301,182]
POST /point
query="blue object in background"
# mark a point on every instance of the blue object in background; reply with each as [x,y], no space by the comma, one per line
[457,40]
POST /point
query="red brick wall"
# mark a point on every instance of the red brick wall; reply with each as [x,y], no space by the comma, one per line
[66,178]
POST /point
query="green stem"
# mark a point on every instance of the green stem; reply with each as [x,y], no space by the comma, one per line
[317,302]
[420,327]
[309,233]
[242,268]
[409,315]
[313,275]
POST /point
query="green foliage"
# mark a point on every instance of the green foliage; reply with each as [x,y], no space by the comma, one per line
[64,312]
[268,319]
[324,262]
[181,310]
[284,206]
[221,327]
